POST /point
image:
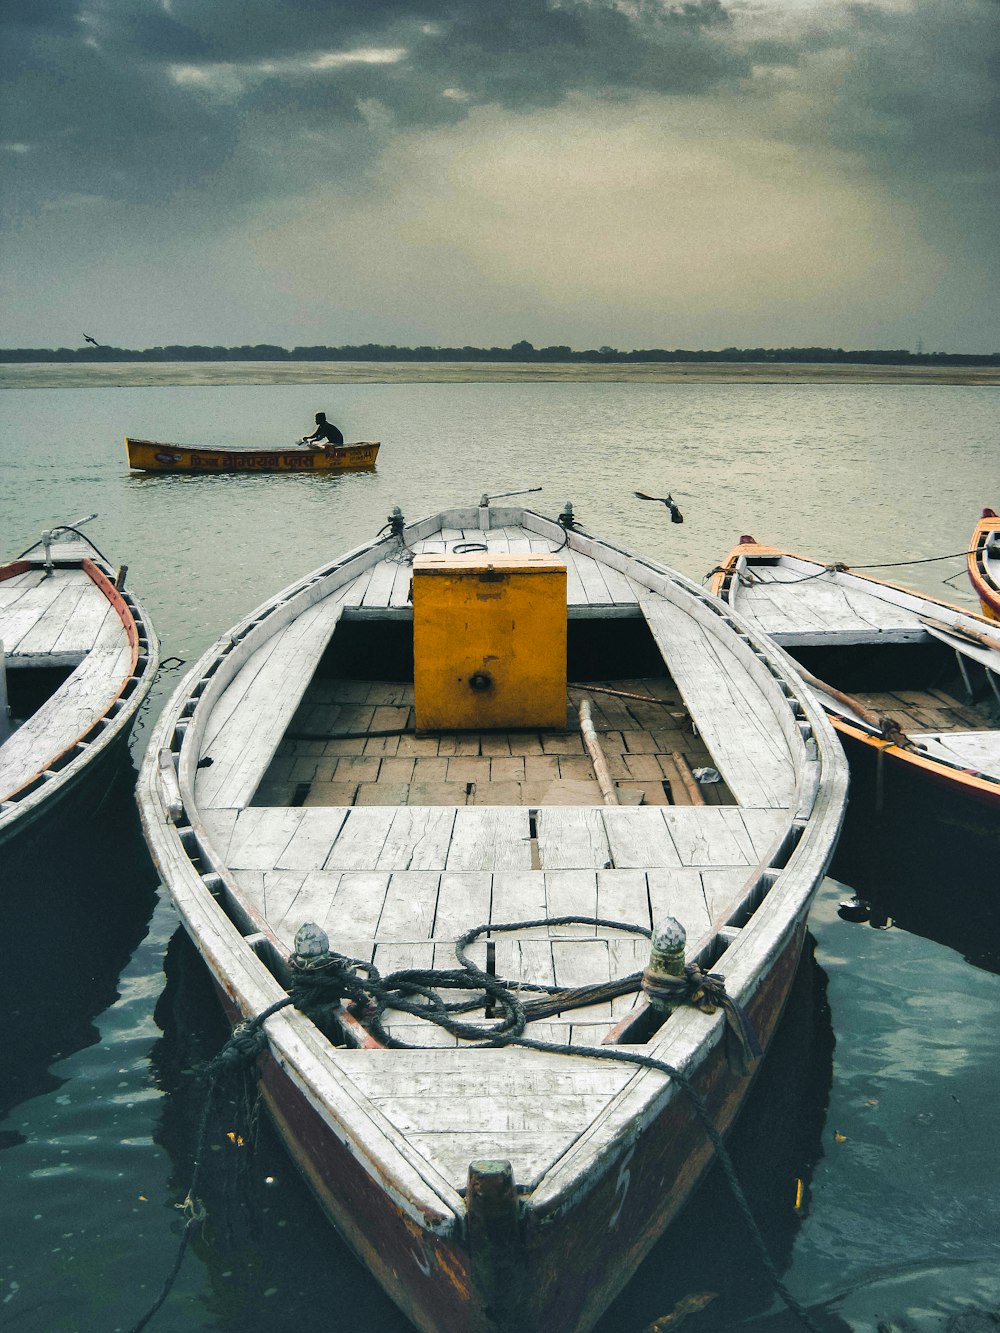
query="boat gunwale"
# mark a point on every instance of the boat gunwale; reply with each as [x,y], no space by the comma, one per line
[985,583]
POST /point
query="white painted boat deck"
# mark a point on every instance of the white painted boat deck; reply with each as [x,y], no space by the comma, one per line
[59,619]
[396,885]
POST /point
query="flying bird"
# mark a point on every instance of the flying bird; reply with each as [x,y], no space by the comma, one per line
[675,514]
[88,339]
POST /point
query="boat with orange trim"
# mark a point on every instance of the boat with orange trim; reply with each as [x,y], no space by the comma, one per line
[155,456]
[911,683]
[984,563]
[77,658]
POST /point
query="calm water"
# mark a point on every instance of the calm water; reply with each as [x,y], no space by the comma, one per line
[881,1095]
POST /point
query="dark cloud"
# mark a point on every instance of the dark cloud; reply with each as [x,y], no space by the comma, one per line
[127,102]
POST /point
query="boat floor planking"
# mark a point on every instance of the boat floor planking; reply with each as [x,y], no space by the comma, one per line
[269,799]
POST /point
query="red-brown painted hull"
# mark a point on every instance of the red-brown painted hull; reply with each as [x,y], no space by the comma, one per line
[574,1263]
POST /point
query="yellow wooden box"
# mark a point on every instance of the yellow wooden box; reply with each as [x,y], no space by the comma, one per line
[489,641]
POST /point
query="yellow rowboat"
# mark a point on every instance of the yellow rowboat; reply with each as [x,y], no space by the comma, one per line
[984,563]
[154,456]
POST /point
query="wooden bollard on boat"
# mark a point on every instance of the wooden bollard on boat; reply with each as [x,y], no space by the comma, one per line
[666,962]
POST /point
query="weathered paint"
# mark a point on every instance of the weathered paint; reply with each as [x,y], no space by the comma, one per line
[489,641]
[570,1271]
[151,456]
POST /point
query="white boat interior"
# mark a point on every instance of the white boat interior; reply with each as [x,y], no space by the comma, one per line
[71,658]
[289,782]
[932,668]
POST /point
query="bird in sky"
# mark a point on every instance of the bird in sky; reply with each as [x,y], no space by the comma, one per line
[88,339]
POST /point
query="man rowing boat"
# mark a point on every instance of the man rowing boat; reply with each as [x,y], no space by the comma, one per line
[325,433]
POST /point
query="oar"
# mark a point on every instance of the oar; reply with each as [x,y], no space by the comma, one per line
[675,514]
[959,632]
[887,727]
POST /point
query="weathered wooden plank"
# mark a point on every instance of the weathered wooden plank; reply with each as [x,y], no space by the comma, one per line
[704,837]
[251,717]
[734,718]
[362,836]
[622,895]
[519,896]
[312,839]
[353,907]
[490,838]
[418,839]
[409,907]
[463,902]
[571,838]
[724,890]
[679,892]
[639,838]
[571,893]
[259,837]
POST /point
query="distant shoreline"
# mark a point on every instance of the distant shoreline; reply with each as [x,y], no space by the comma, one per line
[162,374]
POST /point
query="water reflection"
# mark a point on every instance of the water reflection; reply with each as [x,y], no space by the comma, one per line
[74,911]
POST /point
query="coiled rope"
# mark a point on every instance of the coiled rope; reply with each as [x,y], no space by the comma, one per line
[321,981]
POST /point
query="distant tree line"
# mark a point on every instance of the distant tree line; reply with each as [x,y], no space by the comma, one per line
[523,352]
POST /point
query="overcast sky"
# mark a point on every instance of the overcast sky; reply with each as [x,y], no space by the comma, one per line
[625,172]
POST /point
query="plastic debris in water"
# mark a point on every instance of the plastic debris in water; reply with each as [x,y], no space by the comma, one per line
[688,1305]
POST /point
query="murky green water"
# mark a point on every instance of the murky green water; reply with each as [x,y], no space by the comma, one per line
[881,1094]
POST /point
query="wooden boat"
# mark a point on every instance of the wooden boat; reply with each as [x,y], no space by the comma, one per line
[153,456]
[77,658]
[911,684]
[398,773]
[984,563]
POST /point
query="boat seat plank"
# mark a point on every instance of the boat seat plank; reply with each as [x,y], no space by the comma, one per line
[571,838]
[362,836]
[979,750]
[678,892]
[751,756]
[379,589]
[418,838]
[724,890]
[463,901]
[58,619]
[639,838]
[571,893]
[490,838]
[259,836]
[257,706]
[313,837]
[621,589]
[79,702]
[706,836]
[34,603]
[455,1107]
[408,909]
[622,895]
[592,577]
[519,896]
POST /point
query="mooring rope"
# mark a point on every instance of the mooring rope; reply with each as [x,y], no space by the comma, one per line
[321,981]
[837,567]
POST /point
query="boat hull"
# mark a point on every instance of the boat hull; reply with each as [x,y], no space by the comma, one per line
[401,1147]
[82,758]
[984,563]
[571,1272]
[151,456]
